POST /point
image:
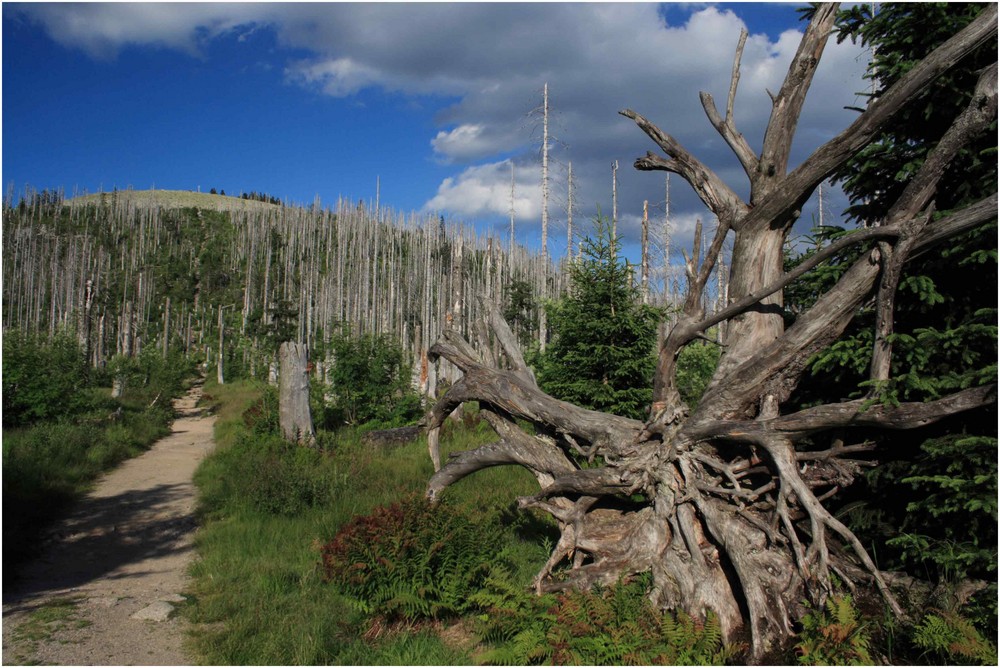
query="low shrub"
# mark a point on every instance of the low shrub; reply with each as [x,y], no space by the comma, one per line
[369,385]
[42,380]
[412,560]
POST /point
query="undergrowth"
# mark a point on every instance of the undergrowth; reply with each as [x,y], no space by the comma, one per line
[412,560]
[331,556]
[617,625]
[267,508]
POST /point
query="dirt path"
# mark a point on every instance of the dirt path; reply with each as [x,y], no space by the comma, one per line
[104,590]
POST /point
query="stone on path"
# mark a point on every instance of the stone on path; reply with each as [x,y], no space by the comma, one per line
[156,612]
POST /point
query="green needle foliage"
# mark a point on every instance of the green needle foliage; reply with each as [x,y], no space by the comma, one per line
[601,355]
[369,383]
[930,505]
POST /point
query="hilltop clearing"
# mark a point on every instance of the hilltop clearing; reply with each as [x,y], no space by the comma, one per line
[176,199]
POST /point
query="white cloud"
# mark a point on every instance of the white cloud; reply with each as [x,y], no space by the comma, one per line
[468,141]
[102,29]
[493,59]
[484,190]
[340,77]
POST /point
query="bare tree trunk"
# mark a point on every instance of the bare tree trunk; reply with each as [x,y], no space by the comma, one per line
[569,214]
[219,365]
[645,253]
[543,320]
[85,324]
[294,416]
[614,205]
[511,240]
[166,327]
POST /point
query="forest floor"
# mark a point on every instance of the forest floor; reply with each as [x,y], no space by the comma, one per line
[105,589]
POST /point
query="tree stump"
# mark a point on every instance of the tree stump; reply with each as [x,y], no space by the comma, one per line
[294,416]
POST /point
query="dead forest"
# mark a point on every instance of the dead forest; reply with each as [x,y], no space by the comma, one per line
[121,276]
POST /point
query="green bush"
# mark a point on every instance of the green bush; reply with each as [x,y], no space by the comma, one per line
[601,355]
[411,559]
[695,365]
[147,375]
[42,380]
[369,385]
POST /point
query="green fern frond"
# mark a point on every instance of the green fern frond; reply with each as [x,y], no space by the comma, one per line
[951,636]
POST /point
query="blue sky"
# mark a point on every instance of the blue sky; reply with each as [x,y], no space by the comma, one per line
[300,100]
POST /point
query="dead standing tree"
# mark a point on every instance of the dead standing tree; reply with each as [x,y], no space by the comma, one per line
[721,501]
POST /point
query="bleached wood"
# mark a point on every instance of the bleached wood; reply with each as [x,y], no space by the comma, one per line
[295,418]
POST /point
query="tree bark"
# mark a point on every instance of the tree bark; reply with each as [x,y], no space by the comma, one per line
[294,416]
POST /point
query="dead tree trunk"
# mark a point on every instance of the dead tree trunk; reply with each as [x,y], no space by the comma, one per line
[294,417]
[219,371]
[720,501]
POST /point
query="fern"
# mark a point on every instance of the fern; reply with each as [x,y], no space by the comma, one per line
[834,636]
[950,636]
[410,560]
[613,626]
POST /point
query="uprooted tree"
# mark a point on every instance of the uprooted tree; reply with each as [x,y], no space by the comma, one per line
[724,501]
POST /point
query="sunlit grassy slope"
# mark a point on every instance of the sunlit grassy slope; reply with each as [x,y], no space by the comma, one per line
[174,199]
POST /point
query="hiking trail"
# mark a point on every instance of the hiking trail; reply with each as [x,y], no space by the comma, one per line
[105,588]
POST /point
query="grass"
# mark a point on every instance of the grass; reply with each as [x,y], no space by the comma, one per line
[53,616]
[258,595]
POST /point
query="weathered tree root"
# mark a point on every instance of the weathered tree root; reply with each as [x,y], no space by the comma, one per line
[723,502]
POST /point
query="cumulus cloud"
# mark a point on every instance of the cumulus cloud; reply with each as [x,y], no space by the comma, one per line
[492,60]
[469,141]
[485,190]
[340,77]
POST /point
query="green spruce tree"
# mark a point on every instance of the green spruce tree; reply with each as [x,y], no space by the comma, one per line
[602,352]
[931,506]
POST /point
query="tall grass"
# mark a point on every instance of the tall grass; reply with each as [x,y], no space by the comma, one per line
[267,507]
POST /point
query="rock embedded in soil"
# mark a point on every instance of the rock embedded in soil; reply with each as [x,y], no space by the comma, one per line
[159,611]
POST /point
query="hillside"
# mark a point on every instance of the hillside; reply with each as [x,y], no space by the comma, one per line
[175,199]
[215,276]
